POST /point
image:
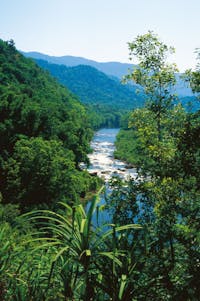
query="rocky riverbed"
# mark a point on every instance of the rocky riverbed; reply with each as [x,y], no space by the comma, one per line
[102,161]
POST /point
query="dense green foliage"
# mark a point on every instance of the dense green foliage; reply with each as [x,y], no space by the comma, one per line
[126,146]
[68,259]
[150,251]
[107,98]
[44,135]
[163,142]
[105,116]
[93,86]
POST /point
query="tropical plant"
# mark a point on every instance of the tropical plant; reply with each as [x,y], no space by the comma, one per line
[83,252]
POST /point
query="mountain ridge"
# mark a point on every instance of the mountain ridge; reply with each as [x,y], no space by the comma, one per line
[93,86]
[113,69]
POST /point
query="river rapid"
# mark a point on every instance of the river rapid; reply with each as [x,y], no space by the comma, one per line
[102,161]
[103,164]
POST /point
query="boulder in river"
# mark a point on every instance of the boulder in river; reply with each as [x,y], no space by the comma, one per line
[93,173]
[105,172]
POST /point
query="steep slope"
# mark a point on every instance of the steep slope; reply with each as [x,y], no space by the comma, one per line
[94,87]
[44,134]
[110,68]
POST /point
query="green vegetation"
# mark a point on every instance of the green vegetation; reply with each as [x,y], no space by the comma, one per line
[105,116]
[93,86]
[44,135]
[115,69]
[127,146]
[193,77]
[151,248]
[105,97]
[163,143]
[67,259]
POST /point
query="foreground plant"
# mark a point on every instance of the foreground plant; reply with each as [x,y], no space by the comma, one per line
[82,252]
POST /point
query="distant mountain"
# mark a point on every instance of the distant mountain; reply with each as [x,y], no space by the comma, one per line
[93,86]
[110,68]
[115,69]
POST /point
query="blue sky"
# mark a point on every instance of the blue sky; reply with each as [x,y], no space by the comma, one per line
[100,29]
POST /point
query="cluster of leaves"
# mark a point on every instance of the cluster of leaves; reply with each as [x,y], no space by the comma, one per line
[163,142]
[44,135]
[193,77]
[65,258]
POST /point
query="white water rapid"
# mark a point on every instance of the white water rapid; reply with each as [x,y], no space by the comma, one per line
[102,161]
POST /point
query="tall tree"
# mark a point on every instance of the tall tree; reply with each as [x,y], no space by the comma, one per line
[166,148]
[154,74]
[157,78]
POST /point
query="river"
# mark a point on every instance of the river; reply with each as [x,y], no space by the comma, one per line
[102,161]
[103,164]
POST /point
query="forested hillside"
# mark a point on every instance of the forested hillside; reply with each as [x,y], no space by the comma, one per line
[60,249]
[44,135]
[93,86]
[106,98]
[115,69]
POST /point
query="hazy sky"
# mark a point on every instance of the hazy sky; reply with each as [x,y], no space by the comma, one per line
[100,29]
